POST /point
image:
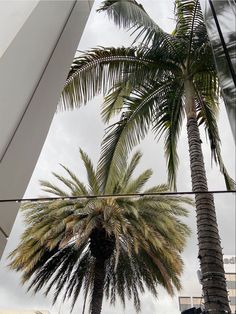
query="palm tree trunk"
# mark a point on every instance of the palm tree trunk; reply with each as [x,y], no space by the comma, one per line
[98,286]
[210,251]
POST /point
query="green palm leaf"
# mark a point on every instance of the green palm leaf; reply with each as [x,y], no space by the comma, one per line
[124,135]
[99,70]
[91,174]
[141,239]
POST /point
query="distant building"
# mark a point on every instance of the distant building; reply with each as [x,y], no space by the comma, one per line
[187,302]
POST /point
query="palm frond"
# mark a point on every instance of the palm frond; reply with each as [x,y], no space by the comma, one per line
[207,107]
[52,189]
[144,237]
[129,14]
[97,71]
[229,182]
[126,133]
[169,121]
[65,181]
[136,185]
[131,168]
[113,101]
[91,174]
[188,18]
[81,188]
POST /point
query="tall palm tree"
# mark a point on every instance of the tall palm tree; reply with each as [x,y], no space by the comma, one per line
[155,83]
[112,246]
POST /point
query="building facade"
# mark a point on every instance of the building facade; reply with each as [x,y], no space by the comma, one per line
[187,302]
[37,47]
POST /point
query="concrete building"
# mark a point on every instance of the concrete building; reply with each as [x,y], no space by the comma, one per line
[187,302]
[37,47]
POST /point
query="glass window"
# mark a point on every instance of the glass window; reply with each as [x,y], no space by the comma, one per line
[184,303]
[230,277]
[184,300]
[220,19]
[197,302]
[231,284]
[184,307]
[232,300]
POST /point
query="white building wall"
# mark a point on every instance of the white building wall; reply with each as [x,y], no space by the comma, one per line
[13,15]
[33,69]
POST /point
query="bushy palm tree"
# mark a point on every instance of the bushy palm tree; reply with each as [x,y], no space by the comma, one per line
[105,246]
[155,84]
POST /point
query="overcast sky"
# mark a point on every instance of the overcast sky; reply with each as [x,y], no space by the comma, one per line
[83,128]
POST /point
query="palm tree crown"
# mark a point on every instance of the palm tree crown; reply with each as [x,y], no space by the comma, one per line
[115,246]
[151,82]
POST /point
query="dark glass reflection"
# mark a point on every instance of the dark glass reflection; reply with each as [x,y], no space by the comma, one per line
[220,17]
